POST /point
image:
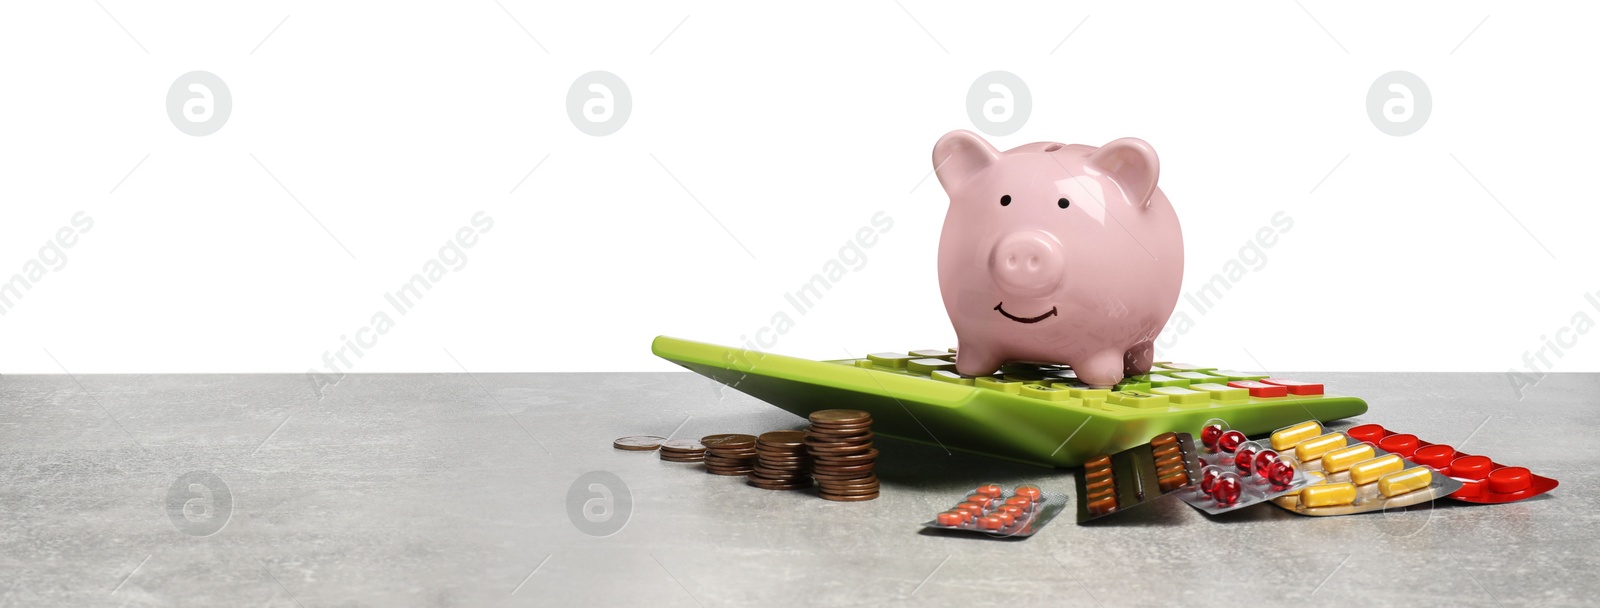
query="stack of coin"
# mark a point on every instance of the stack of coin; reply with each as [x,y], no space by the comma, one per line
[781,461]
[842,457]
[730,454]
[683,450]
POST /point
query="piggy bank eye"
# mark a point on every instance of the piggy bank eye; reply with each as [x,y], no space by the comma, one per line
[1005,200]
[1063,203]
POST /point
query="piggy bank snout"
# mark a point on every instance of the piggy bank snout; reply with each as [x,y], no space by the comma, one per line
[1027,264]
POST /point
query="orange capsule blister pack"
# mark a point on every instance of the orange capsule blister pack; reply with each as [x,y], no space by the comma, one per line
[988,509]
[1236,473]
[1482,480]
[1352,476]
[1117,482]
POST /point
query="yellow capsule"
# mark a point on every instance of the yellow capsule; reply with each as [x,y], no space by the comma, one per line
[1342,458]
[1395,484]
[1312,449]
[1368,471]
[1328,495]
[1287,438]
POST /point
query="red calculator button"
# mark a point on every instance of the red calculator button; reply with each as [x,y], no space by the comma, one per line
[1295,387]
[1260,389]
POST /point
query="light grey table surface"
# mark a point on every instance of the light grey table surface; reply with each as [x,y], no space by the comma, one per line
[452,489]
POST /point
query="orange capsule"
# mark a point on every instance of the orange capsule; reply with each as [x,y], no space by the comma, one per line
[1006,519]
[990,522]
[1021,501]
[992,490]
[951,518]
[1032,492]
[981,499]
[1014,510]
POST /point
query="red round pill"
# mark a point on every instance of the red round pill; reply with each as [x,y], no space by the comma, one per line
[972,509]
[1020,501]
[990,522]
[1263,463]
[1230,441]
[1032,492]
[980,499]
[1436,456]
[1006,519]
[1245,458]
[1210,435]
[1510,479]
[1014,510]
[1403,444]
[1226,490]
[1281,473]
[992,490]
[1471,467]
[951,518]
[1208,478]
[1370,433]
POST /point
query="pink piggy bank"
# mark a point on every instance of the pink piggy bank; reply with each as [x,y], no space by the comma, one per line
[1054,253]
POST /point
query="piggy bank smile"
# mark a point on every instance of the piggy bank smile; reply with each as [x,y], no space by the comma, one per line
[1001,307]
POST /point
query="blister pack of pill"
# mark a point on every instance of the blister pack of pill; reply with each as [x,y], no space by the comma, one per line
[1350,476]
[1236,473]
[988,509]
[1117,482]
[1482,480]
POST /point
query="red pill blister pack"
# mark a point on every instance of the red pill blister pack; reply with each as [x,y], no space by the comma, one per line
[1236,473]
[1135,476]
[1482,480]
[1349,475]
[988,509]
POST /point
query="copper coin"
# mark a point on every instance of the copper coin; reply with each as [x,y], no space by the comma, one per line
[728,440]
[728,472]
[787,455]
[840,417]
[844,479]
[732,453]
[779,486]
[782,438]
[784,466]
[842,470]
[850,491]
[816,435]
[683,459]
[839,430]
[846,456]
[638,443]
[838,498]
[683,444]
[779,477]
[869,480]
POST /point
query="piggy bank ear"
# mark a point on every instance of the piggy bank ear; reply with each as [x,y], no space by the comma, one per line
[1132,164]
[959,155]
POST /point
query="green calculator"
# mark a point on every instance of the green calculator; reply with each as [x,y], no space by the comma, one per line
[1036,414]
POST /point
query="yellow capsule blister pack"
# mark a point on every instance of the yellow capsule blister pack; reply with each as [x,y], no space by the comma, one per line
[1349,476]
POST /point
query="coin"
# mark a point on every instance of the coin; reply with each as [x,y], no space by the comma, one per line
[638,443]
[728,440]
[683,444]
[840,417]
[782,439]
[840,498]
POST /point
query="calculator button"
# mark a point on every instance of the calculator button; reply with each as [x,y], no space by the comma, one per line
[1132,386]
[932,353]
[1221,392]
[1138,399]
[1197,377]
[951,377]
[1182,396]
[1237,375]
[1045,392]
[1088,393]
[1160,380]
[1004,386]
[890,360]
[928,366]
[1183,367]
[1295,387]
[1261,390]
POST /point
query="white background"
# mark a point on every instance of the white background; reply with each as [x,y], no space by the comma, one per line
[790,126]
